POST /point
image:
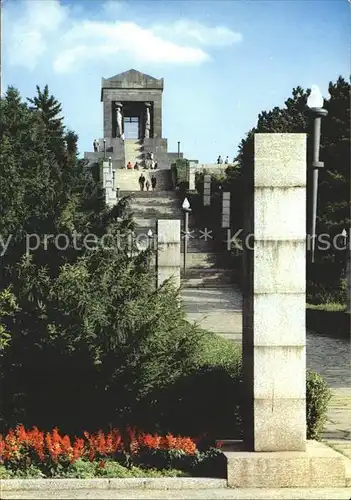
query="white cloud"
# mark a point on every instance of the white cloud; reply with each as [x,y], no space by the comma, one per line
[217,36]
[46,27]
[99,39]
[28,27]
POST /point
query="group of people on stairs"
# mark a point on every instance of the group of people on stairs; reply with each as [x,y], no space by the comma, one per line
[143,183]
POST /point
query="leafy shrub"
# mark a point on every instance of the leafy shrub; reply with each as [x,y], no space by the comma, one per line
[179,171]
[80,469]
[193,404]
[317,399]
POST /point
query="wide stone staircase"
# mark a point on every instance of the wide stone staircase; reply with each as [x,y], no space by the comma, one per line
[127,181]
[133,151]
[209,289]
[210,293]
[148,206]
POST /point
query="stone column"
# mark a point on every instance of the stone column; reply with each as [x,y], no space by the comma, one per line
[168,251]
[348,275]
[108,119]
[207,190]
[274,334]
[226,210]
[107,182]
[191,178]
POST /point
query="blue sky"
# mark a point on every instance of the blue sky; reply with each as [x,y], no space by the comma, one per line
[223,61]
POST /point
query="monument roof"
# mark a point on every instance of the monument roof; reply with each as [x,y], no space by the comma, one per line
[131,79]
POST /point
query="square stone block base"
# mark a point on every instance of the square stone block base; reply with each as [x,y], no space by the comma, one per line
[318,467]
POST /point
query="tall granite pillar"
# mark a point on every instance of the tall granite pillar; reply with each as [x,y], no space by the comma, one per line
[225,210]
[168,251]
[107,182]
[207,190]
[348,276]
[274,336]
[191,178]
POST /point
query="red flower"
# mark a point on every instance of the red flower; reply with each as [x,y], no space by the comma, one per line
[29,445]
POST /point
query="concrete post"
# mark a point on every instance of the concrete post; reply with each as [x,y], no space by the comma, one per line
[274,334]
[225,210]
[275,453]
[348,276]
[207,190]
[107,182]
[168,251]
[191,178]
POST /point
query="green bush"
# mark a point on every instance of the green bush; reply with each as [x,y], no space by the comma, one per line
[179,171]
[207,399]
[317,399]
[203,400]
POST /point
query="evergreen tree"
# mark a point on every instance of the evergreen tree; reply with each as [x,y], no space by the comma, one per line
[333,213]
[87,336]
[334,185]
[50,109]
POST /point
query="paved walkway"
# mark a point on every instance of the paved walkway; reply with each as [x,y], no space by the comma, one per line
[215,309]
[223,493]
[219,310]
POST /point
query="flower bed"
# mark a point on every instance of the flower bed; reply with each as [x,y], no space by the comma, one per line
[34,453]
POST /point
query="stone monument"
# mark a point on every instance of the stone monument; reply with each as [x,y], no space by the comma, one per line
[132,109]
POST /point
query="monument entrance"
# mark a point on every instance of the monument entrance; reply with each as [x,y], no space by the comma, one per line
[131,127]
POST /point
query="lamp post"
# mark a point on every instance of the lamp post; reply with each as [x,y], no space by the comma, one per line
[104,149]
[149,236]
[347,246]
[186,209]
[344,237]
[315,103]
[113,179]
[117,195]
[178,149]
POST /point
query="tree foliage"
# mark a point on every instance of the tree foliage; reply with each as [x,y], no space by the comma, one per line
[334,186]
[326,277]
[87,335]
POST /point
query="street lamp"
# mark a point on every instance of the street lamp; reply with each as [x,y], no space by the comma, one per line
[348,269]
[186,209]
[104,149]
[344,237]
[149,235]
[117,195]
[315,103]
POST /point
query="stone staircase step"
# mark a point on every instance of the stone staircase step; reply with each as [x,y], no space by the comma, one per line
[169,195]
[133,151]
[201,260]
[154,214]
[145,223]
[201,283]
[209,271]
[128,180]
